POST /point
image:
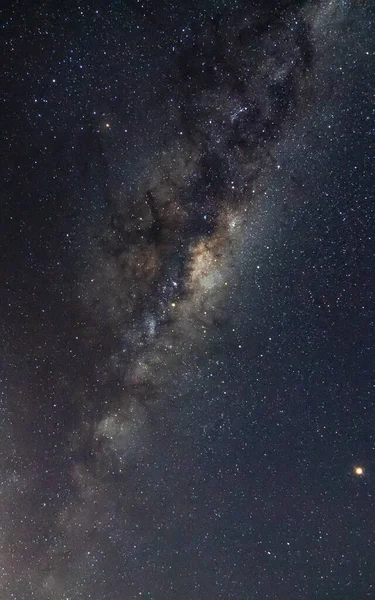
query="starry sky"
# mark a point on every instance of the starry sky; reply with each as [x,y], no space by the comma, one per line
[187,300]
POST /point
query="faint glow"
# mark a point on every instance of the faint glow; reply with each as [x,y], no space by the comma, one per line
[150,325]
[107,125]
[234,221]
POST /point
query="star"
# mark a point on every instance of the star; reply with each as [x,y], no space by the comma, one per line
[359,471]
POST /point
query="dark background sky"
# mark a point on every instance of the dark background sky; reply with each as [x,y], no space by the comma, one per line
[230,473]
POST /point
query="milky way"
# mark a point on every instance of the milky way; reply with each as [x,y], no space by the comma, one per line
[160,268]
[156,265]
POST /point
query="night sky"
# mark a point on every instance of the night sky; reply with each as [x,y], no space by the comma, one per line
[187,300]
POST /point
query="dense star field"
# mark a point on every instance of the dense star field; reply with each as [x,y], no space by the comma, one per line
[187,300]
